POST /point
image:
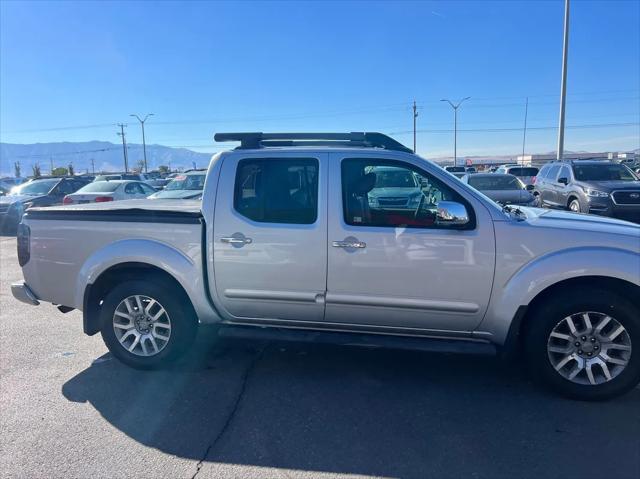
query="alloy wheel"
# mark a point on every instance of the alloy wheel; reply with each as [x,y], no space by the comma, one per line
[142,326]
[589,348]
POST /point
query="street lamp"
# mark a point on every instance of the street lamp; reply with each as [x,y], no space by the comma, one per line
[455,127]
[144,145]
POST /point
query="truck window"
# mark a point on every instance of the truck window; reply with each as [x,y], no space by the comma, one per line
[389,193]
[277,190]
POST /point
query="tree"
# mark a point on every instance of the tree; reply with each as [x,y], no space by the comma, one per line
[36,170]
[139,166]
[59,171]
[16,167]
[164,169]
[71,170]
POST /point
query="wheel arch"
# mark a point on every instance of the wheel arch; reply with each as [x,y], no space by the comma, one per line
[525,313]
[95,292]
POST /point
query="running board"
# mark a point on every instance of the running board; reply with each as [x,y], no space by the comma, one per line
[434,345]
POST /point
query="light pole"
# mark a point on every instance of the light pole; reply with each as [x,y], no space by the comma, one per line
[144,145]
[563,82]
[455,127]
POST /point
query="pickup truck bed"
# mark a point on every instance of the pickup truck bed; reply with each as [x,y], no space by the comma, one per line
[82,241]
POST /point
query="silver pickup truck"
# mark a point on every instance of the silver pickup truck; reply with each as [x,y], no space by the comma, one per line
[289,242]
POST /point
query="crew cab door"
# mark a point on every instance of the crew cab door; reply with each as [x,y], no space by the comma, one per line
[269,236]
[390,264]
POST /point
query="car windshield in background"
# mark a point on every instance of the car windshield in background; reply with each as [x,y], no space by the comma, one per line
[186,182]
[525,171]
[604,172]
[99,187]
[394,179]
[494,182]
[35,188]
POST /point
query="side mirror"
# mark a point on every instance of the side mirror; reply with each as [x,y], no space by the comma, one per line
[530,187]
[451,213]
[563,181]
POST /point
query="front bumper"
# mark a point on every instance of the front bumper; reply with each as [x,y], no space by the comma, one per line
[606,207]
[23,293]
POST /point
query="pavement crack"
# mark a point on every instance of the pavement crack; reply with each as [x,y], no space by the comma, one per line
[236,405]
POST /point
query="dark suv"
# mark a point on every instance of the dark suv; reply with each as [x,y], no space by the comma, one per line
[590,186]
[37,192]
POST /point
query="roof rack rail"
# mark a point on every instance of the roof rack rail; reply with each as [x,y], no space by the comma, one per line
[354,139]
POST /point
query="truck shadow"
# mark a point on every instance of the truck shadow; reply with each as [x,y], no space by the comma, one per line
[347,410]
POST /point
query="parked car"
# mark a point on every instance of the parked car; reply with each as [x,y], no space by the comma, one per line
[286,244]
[37,192]
[470,169]
[183,186]
[503,189]
[526,174]
[112,190]
[155,183]
[590,186]
[394,189]
[457,171]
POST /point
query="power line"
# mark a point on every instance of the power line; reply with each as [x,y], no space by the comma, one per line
[400,106]
[474,130]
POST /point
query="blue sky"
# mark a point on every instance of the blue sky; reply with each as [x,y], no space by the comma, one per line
[69,71]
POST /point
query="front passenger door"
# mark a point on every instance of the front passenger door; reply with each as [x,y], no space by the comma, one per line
[391,263]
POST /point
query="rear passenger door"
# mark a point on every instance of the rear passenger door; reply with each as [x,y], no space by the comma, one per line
[269,237]
[548,189]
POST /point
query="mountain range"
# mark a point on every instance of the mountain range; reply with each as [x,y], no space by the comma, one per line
[104,156]
[94,156]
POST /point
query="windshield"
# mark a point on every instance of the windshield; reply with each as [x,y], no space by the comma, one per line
[494,182]
[604,172]
[523,171]
[186,182]
[99,187]
[35,188]
[399,178]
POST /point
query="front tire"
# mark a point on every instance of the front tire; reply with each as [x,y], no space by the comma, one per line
[585,344]
[574,206]
[147,324]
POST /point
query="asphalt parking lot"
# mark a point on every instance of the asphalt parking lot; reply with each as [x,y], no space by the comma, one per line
[279,410]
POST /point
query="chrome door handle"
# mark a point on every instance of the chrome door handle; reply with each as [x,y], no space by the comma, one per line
[235,240]
[349,244]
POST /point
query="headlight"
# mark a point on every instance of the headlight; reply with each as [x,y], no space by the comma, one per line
[373,201]
[596,193]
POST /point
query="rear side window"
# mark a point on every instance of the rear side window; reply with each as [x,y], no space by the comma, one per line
[277,190]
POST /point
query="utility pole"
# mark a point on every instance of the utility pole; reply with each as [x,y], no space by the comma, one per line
[415,115]
[124,146]
[563,83]
[51,161]
[455,127]
[524,135]
[144,145]
[93,166]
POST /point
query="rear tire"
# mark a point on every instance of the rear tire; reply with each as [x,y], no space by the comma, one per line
[146,324]
[554,353]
